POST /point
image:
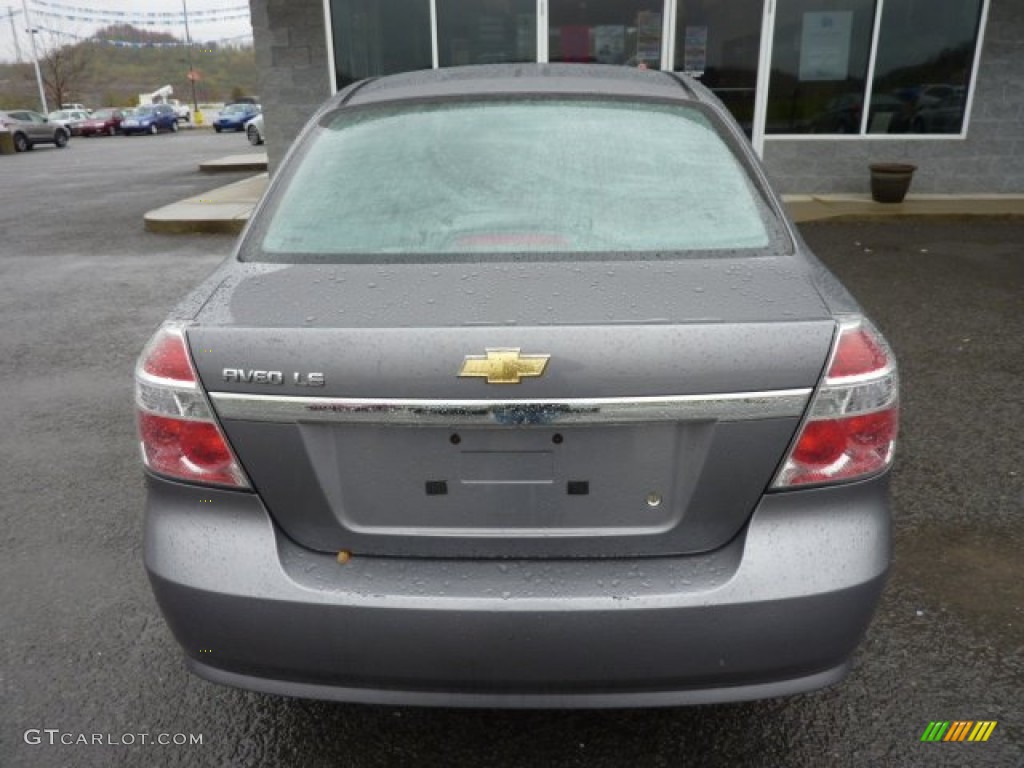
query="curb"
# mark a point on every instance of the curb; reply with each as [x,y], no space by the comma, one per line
[211,226]
[229,165]
[221,211]
[805,208]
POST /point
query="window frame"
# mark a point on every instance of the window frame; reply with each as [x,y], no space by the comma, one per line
[863,134]
[760,135]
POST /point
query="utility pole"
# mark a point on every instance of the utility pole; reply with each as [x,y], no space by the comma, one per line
[188,47]
[35,57]
[11,13]
[13,33]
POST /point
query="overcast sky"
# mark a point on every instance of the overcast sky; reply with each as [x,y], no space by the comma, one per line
[55,16]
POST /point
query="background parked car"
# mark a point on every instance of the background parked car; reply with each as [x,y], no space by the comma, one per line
[151,118]
[843,114]
[183,111]
[30,128]
[931,95]
[945,116]
[102,121]
[254,130]
[234,117]
[69,118]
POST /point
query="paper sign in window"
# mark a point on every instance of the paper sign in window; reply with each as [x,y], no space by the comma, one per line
[825,45]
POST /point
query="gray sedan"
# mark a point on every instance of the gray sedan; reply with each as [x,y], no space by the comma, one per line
[520,390]
[29,128]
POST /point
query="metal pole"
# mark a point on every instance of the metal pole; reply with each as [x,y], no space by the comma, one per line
[764,65]
[188,46]
[14,33]
[35,58]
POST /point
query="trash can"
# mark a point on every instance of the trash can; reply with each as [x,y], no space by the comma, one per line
[7,143]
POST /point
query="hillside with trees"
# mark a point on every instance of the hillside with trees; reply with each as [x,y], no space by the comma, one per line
[97,72]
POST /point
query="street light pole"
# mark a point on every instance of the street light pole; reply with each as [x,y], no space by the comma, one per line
[11,13]
[188,46]
[35,57]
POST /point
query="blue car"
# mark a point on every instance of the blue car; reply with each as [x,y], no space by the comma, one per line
[151,118]
[234,117]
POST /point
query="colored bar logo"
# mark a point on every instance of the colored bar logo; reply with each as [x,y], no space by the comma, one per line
[958,730]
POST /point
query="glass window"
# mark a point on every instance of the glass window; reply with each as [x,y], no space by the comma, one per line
[379,37]
[819,67]
[488,32]
[476,180]
[924,60]
[606,31]
[722,40]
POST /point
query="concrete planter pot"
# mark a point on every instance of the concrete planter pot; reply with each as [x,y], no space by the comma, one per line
[890,181]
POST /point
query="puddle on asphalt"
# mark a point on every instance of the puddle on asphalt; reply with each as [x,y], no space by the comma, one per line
[975,574]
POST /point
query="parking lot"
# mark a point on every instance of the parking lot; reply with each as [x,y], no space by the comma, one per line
[85,651]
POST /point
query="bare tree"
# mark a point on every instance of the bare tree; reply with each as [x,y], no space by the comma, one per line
[63,69]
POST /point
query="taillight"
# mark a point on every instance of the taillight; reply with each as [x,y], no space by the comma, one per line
[851,429]
[180,438]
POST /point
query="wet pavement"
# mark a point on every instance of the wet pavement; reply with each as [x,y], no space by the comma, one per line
[84,650]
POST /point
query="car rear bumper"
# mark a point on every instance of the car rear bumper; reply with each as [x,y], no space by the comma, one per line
[778,610]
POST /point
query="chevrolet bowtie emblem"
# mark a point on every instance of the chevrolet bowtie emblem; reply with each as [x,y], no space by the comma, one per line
[503,366]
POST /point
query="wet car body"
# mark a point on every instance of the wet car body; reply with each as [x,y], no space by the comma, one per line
[71,119]
[102,122]
[151,119]
[473,458]
[254,131]
[29,128]
[235,116]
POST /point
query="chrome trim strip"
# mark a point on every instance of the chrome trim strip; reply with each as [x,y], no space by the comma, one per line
[740,406]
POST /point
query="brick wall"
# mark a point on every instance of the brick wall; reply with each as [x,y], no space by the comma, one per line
[291,58]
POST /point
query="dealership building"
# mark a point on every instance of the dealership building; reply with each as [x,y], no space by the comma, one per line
[823,88]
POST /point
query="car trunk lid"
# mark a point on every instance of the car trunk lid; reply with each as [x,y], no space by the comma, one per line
[670,392]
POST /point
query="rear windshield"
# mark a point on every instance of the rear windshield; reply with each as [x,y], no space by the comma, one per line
[552,176]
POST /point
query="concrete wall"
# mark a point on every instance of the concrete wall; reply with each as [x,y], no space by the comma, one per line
[291,55]
[989,160]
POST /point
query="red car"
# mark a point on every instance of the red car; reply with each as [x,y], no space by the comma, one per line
[102,121]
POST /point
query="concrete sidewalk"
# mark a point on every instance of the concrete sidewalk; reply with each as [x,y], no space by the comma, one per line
[226,209]
[255,161]
[815,207]
[221,211]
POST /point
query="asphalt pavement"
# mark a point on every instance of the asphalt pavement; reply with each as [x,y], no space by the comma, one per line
[85,652]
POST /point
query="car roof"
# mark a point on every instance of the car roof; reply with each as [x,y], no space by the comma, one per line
[517,79]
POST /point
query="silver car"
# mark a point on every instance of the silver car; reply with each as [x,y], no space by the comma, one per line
[71,119]
[254,130]
[29,128]
[520,390]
